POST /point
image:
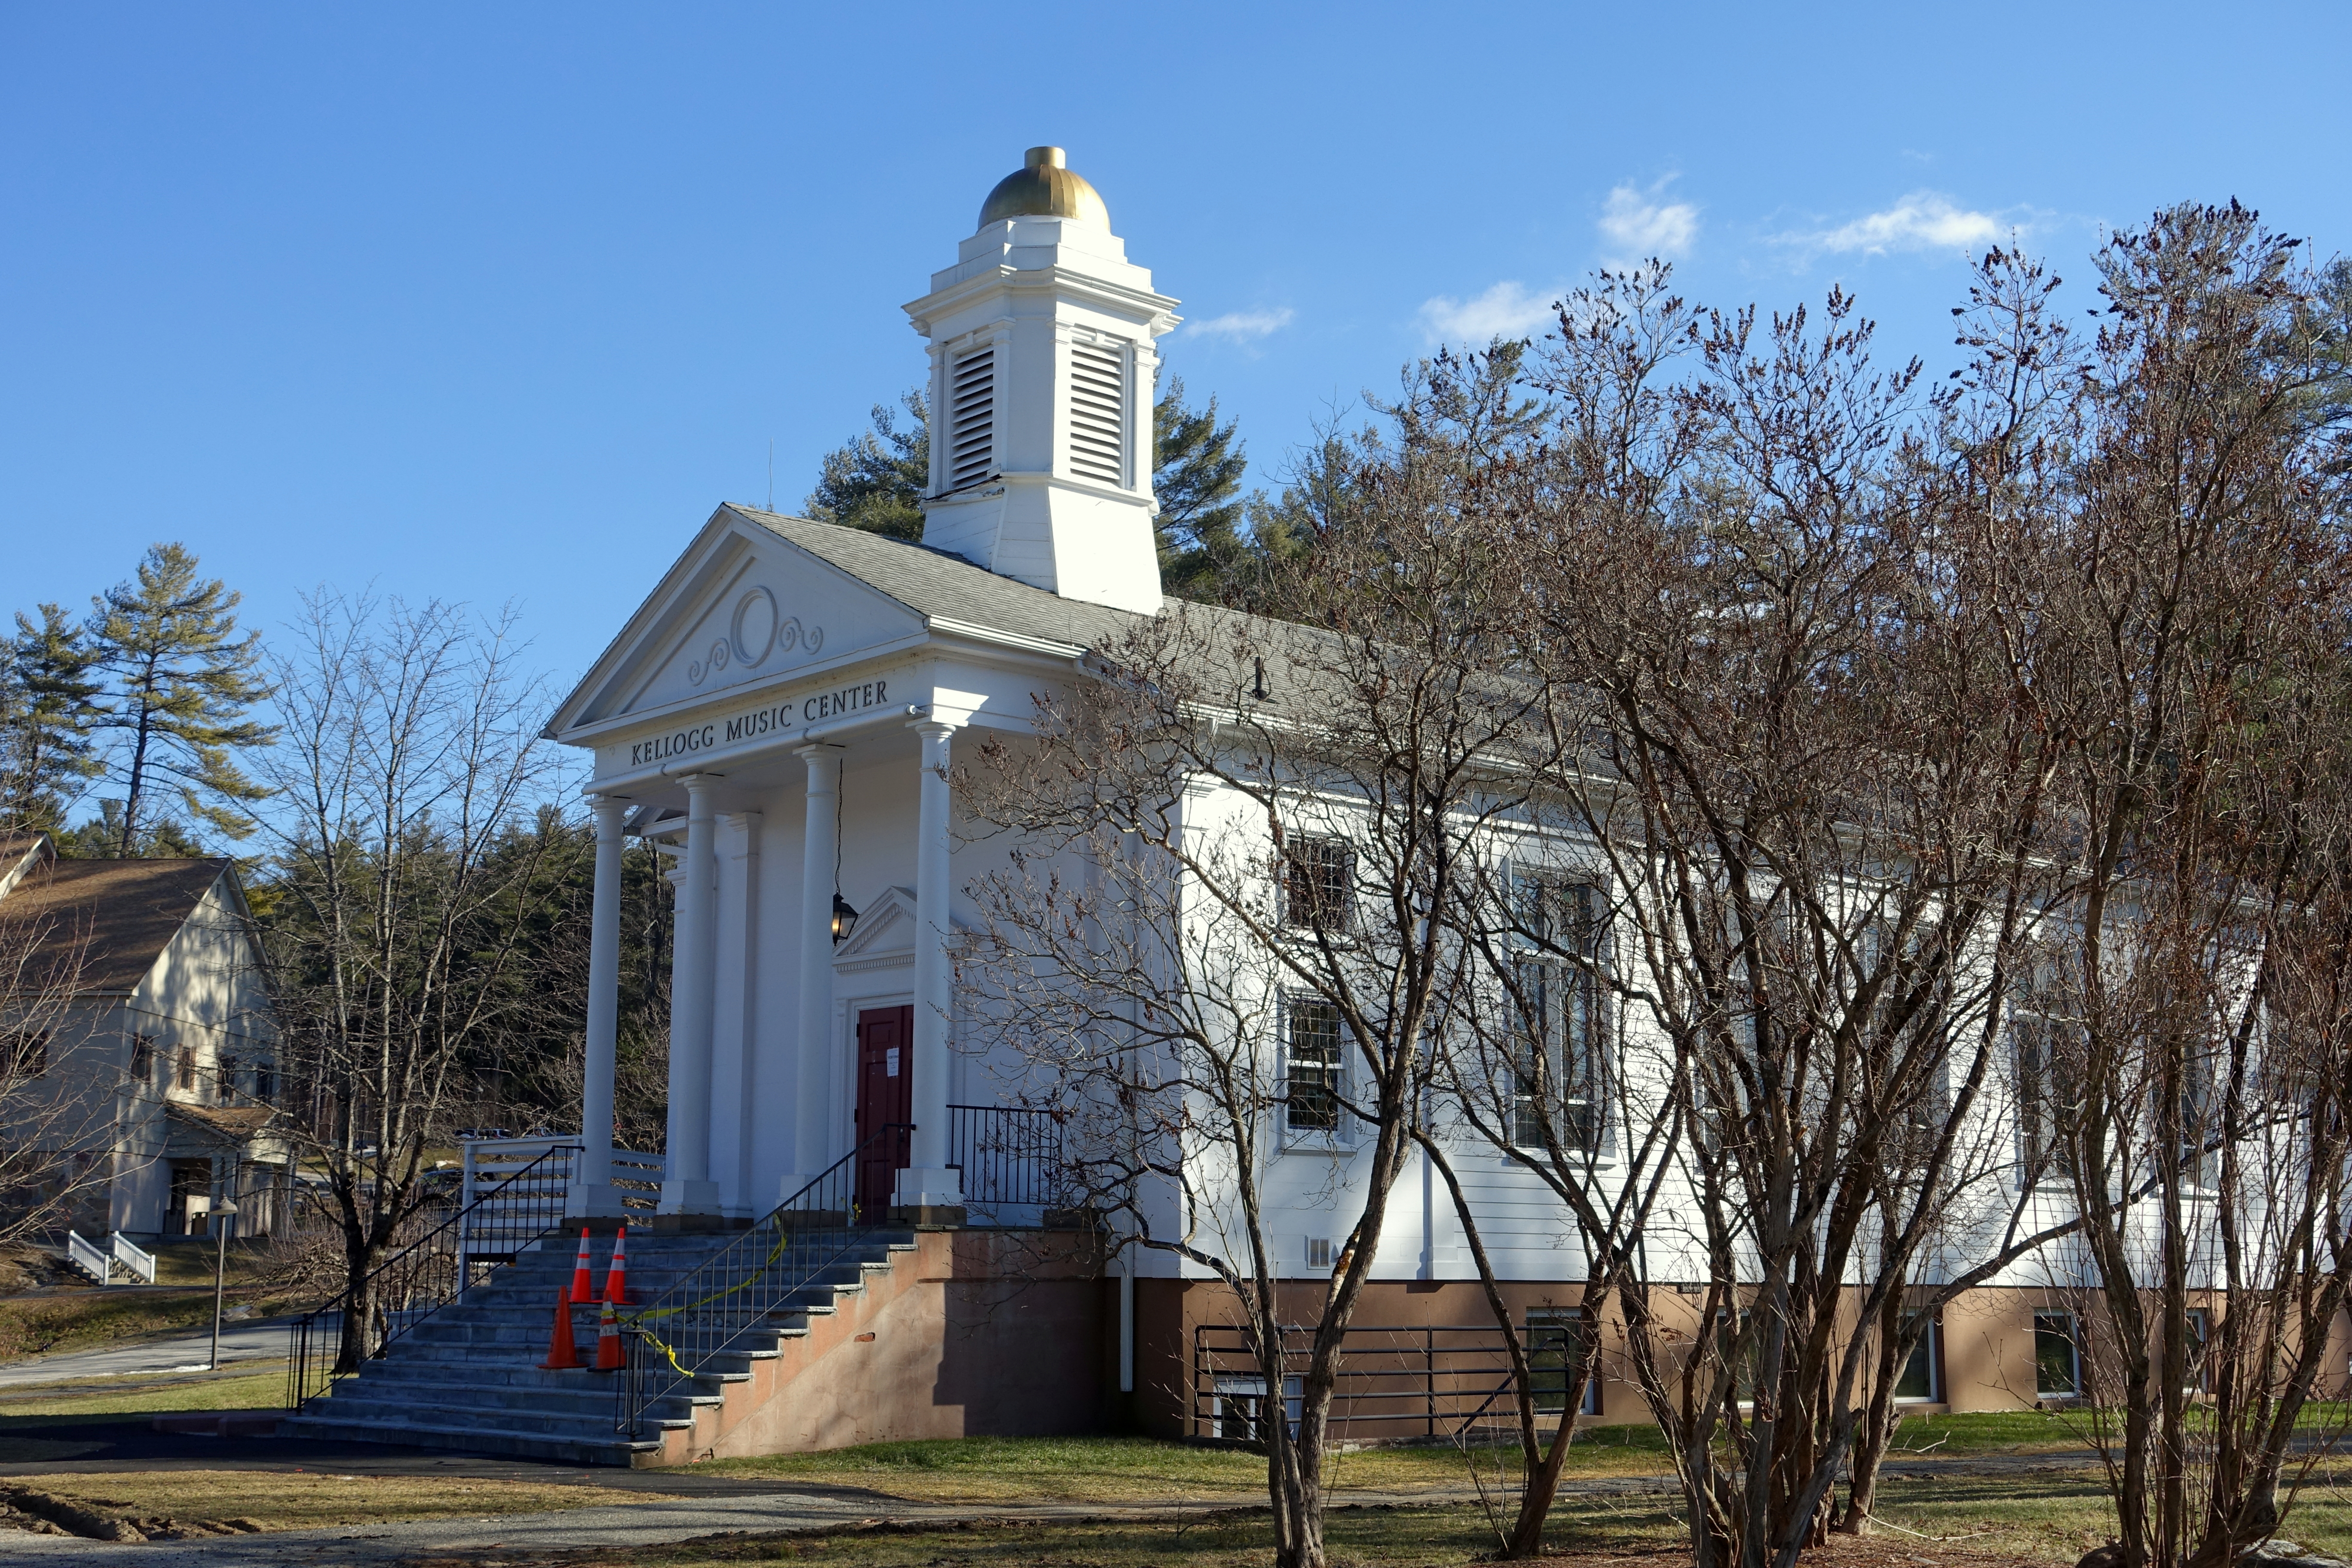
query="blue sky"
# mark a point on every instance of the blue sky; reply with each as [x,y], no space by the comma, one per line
[494,302]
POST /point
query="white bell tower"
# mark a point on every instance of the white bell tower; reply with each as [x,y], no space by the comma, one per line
[1040,394]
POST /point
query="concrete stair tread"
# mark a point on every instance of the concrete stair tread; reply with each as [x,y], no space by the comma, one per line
[465,1377]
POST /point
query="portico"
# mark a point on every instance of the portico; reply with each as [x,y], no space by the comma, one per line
[783,771]
[782,713]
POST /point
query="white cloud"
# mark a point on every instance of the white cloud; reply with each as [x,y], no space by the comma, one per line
[1639,224]
[1241,326]
[1922,220]
[1506,310]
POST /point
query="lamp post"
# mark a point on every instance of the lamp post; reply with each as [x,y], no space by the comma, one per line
[224,1208]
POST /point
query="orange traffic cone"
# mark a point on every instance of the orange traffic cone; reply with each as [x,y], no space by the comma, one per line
[617,1274]
[608,1343]
[561,1354]
[584,1293]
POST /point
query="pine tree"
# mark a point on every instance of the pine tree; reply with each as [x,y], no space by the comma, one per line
[1196,476]
[182,684]
[875,480]
[48,708]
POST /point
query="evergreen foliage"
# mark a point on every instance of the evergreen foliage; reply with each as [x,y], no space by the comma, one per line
[1208,533]
[49,701]
[183,683]
[875,480]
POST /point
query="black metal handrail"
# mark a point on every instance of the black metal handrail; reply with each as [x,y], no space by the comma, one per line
[425,1273]
[749,1284]
[1009,1157]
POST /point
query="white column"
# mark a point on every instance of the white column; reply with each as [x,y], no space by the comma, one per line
[927,1184]
[689,1189]
[735,1041]
[591,1195]
[813,1118]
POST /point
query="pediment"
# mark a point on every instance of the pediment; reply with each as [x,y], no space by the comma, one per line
[886,929]
[740,607]
[885,937]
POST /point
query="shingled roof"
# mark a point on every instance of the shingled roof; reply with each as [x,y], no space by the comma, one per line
[119,914]
[937,586]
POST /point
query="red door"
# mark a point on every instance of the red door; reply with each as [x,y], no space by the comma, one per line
[886,1080]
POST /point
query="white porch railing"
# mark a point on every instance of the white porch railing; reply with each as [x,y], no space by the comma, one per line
[87,1256]
[637,1177]
[136,1259]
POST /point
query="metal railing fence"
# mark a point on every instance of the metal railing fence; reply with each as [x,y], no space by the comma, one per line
[441,1254]
[1395,1382]
[1009,1158]
[749,1285]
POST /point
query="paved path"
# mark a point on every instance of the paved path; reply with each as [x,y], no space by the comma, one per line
[606,1527]
[258,1339]
[651,1523]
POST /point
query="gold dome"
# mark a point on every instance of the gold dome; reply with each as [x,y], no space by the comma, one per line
[1044,188]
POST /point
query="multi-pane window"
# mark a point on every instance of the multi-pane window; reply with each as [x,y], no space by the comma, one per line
[2057,1356]
[2040,1079]
[143,1057]
[1318,884]
[1314,1068]
[2044,1038]
[265,1082]
[1558,1075]
[186,1075]
[1560,1344]
[227,1079]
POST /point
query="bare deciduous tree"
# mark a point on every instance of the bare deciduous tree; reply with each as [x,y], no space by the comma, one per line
[405,890]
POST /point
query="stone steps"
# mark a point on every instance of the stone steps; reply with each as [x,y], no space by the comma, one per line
[468,1377]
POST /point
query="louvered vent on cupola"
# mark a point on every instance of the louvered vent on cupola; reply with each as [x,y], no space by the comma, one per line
[971,419]
[1098,413]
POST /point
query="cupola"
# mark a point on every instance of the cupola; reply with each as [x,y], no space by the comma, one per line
[1042,370]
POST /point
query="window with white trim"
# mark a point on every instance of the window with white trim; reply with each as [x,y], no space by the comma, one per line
[1318,884]
[1559,1074]
[1314,1068]
[1922,1379]
[2043,1043]
[2057,1355]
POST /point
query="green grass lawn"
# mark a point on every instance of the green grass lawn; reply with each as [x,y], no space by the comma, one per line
[1113,1470]
[85,1319]
[247,1386]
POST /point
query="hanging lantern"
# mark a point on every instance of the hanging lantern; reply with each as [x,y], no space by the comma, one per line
[845,919]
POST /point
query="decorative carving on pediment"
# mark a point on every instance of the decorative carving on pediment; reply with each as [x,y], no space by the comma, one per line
[757,628]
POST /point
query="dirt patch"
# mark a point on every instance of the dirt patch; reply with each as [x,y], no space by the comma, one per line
[175,1505]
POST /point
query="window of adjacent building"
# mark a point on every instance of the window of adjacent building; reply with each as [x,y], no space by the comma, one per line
[143,1057]
[265,1082]
[972,418]
[1922,1370]
[1318,884]
[2057,1356]
[1314,1070]
[1099,412]
[227,1079]
[186,1077]
[1559,1344]
[1560,1075]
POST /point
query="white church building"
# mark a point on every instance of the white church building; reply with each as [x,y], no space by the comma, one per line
[781,718]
